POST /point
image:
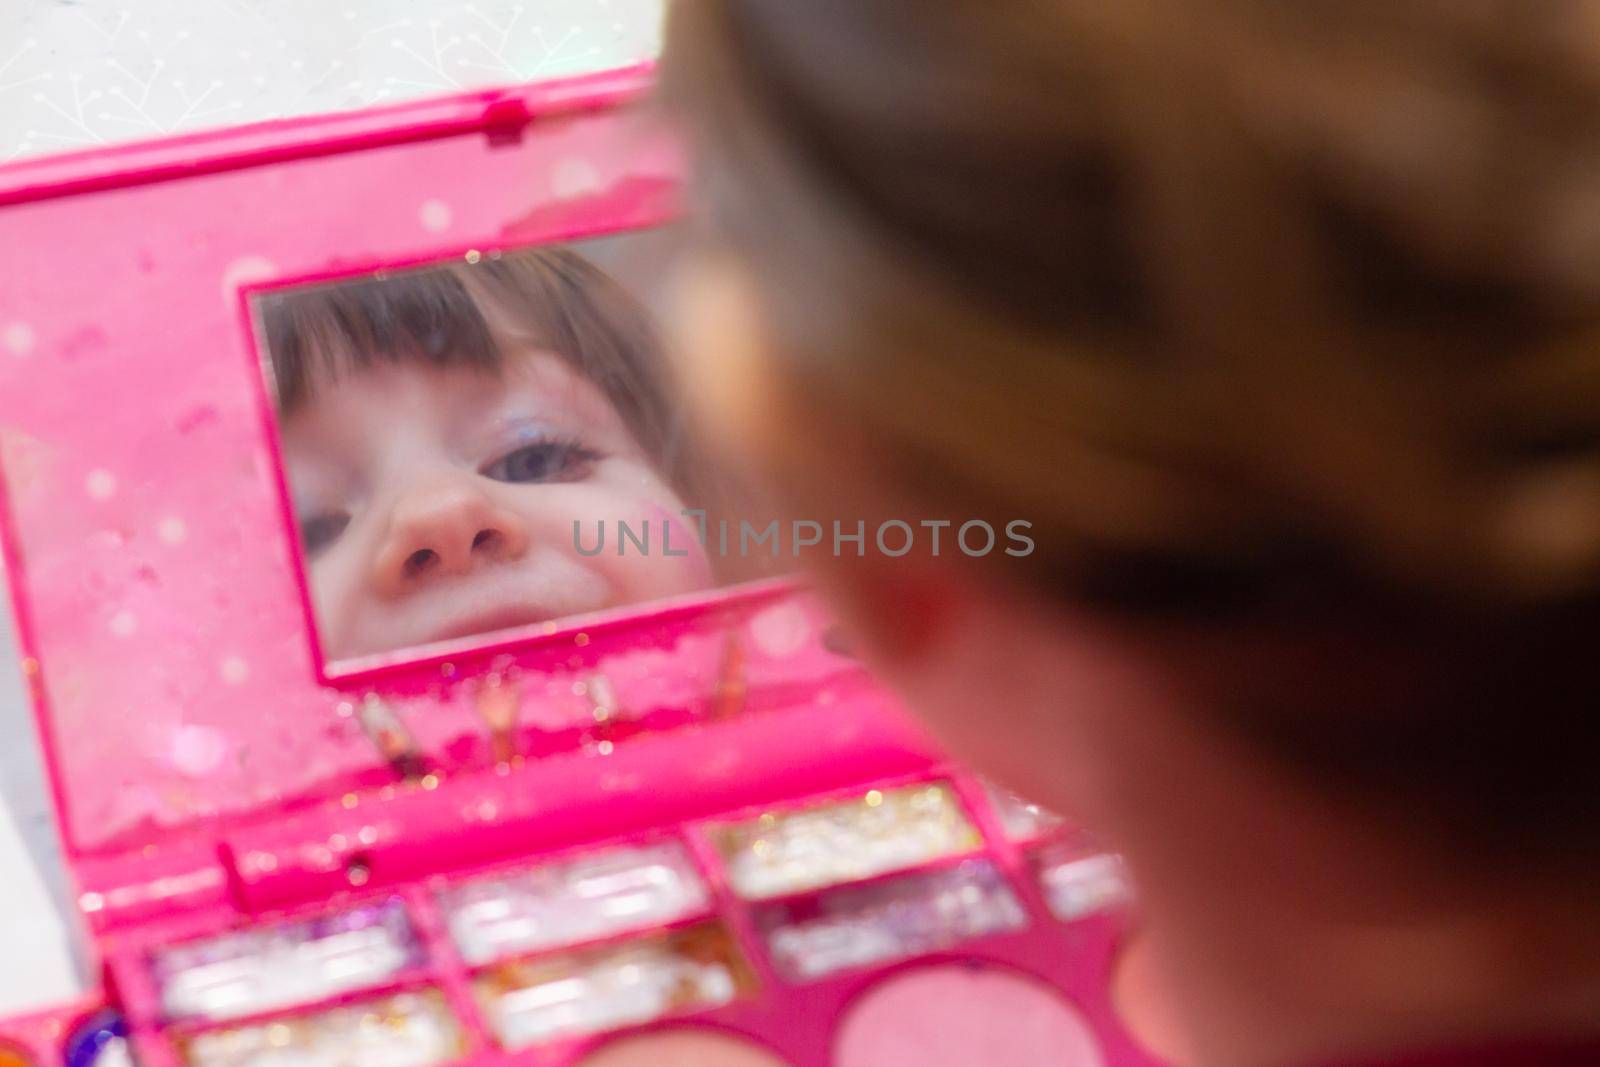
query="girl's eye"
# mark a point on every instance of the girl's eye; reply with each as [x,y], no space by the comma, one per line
[320,531]
[543,461]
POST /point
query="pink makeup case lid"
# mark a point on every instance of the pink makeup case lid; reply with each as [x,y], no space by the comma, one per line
[499,112]
[186,717]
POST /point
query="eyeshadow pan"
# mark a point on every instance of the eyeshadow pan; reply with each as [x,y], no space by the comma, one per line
[776,854]
[1021,819]
[272,967]
[895,919]
[589,897]
[682,1047]
[1079,880]
[626,984]
[404,1030]
[957,1015]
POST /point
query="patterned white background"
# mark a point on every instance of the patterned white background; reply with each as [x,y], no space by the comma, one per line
[79,73]
[82,73]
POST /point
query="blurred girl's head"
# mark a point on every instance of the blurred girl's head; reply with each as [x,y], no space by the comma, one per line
[1276,320]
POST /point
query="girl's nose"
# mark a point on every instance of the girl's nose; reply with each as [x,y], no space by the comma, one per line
[442,529]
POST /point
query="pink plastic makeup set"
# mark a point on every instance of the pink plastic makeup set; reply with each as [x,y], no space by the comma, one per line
[681,831]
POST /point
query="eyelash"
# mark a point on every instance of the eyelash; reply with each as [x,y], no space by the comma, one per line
[319,531]
[569,458]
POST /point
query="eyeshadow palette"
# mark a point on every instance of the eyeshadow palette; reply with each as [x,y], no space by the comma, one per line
[405,699]
[554,956]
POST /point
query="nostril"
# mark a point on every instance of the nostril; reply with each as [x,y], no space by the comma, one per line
[487,540]
[420,561]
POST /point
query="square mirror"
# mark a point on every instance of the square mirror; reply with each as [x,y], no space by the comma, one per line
[487,443]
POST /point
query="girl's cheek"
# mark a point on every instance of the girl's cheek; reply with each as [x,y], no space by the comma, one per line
[673,563]
[681,534]
[331,584]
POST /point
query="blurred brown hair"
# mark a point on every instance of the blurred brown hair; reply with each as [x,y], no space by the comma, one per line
[1276,315]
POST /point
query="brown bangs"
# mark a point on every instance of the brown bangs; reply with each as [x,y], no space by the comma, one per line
[323,333]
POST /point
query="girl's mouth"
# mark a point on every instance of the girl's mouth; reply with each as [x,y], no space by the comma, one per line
[507,618]
[497,601]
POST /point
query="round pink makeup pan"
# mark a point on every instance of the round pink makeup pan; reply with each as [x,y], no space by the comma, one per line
[681,1047]
[956,1015]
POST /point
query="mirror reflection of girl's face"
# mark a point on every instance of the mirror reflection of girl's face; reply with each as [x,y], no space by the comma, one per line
[438,502]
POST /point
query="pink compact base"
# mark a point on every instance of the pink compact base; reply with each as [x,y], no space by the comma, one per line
[793,876]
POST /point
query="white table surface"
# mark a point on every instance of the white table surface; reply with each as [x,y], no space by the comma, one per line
[33,885]
[81,73]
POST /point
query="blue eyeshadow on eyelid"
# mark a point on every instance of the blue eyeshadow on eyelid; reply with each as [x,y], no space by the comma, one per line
[524,430]
[519,433]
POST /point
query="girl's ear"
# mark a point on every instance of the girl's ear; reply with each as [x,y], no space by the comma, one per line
[896,612]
